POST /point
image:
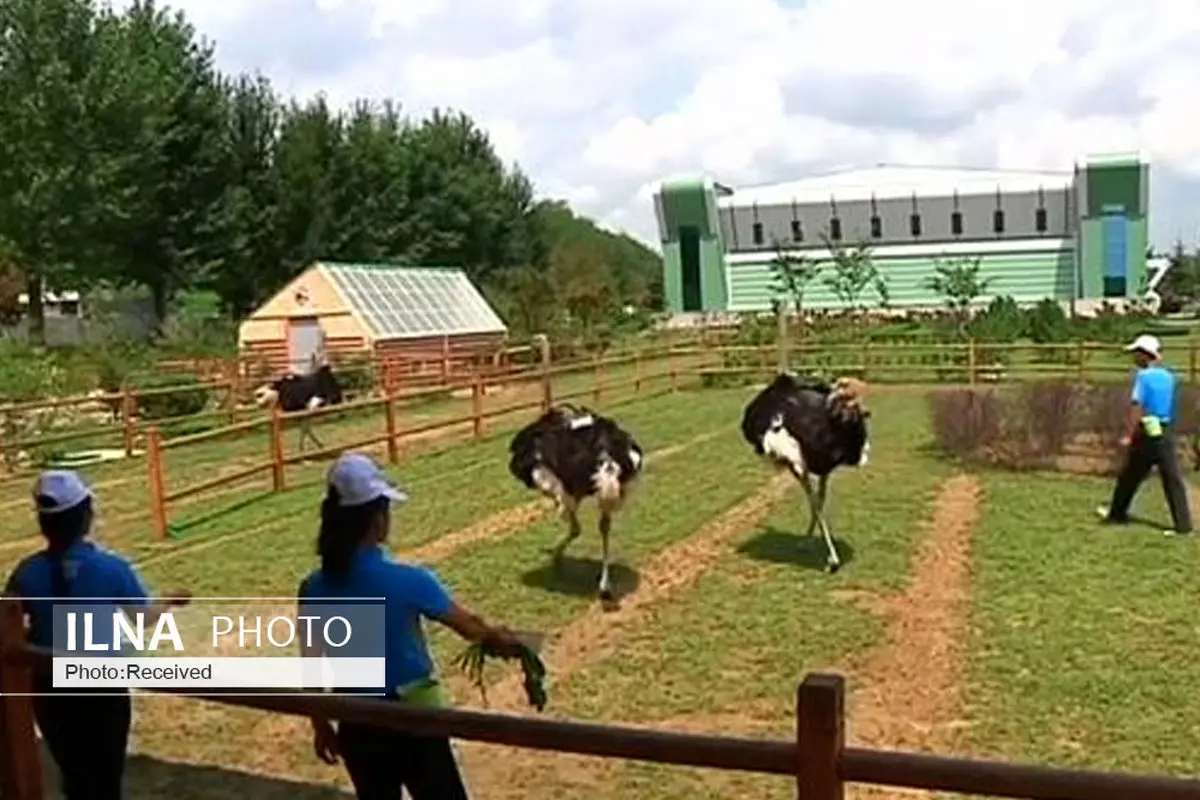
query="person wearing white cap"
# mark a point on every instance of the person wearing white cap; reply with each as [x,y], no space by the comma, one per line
[355,521]
[87,736]
[1149,439]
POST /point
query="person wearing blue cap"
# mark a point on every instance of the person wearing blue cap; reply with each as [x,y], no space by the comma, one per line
[1149,440]
[355,521]
[87,736]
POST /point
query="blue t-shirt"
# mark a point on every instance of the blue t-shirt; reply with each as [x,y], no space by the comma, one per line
[410,592]
[1154,391]
[91,572]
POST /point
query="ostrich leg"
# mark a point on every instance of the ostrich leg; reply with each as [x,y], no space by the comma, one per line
[822,483]
[606,593]
[816,505]
[570,510]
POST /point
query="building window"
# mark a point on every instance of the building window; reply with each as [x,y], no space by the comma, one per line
[1039,220]
[758,233]
[797,231]
[876,226]
[998,221]
[956,223]
[914,224]
[835,229]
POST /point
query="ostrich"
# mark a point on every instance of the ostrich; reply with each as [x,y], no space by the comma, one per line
[810,428]
[300,392]
[569,454]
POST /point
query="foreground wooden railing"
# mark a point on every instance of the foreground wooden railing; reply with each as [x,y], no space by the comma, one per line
[818,756]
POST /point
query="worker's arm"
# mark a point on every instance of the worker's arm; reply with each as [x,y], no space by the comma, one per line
[436,602]
[1134,417]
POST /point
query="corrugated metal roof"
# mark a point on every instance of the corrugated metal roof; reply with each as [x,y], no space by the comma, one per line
[403,302]
[891,181]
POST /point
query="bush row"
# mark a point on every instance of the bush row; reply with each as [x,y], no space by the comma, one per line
[1039,424]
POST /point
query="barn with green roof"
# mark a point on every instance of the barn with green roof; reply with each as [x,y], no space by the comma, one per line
[387,311]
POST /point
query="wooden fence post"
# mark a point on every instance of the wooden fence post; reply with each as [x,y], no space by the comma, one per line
[235,391]
[597,379]
[972,366]
[477,406]
[547,389]
[20,758]
[1080,355]
[277,473]
[158,494]
[671,369]
[389,411]
[637,370]
[820,737]
[1191,360]
[866,360]
[782,333]
[128,410]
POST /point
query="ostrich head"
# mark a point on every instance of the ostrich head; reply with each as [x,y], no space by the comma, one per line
[847,409]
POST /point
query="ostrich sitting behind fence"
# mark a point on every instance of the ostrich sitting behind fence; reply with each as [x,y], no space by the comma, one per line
[570,454]
[810,428]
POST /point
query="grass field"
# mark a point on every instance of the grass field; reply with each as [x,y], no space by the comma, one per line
[977,613]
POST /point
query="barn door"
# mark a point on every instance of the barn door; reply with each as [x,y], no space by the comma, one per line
[306,345]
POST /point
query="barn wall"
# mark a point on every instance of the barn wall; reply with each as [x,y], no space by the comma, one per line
[262,360]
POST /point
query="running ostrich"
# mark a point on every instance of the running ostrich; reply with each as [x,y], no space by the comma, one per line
[569,454]
[810,428]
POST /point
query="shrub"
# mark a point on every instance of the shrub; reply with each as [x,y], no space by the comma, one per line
[184,402]
[1037,425]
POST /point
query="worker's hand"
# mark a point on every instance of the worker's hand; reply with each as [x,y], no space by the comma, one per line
[179,597]
[1126,441]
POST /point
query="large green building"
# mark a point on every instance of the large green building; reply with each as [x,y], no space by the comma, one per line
[1073,236]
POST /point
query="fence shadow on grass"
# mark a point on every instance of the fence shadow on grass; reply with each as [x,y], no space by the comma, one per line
[579,577]
[777,546]
[148,778]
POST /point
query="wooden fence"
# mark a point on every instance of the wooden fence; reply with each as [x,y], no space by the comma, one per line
[391,429]
[818,758]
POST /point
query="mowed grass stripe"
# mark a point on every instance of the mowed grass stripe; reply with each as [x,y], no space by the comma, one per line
[1084,650]
[726,653]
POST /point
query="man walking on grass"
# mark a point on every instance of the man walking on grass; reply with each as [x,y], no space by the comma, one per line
[1149,439]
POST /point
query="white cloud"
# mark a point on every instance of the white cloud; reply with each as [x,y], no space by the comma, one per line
[598,98]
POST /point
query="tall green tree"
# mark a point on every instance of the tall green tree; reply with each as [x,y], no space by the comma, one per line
[175,159]
[854,272]
[959,282]
[467,208]
[250,268]
[58,182]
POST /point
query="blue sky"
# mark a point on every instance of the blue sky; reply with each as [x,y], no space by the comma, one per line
[598,99]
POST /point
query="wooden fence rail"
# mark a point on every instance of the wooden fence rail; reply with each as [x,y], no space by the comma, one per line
[817,757]
[391,429]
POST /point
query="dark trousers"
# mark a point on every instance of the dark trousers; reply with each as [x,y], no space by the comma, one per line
[381,761]
[87,737]
[1144,454]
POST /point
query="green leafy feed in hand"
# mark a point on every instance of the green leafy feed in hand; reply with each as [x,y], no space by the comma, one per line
[471,662]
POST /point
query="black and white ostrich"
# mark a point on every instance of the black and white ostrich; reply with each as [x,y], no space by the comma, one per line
[810,428]
[300,392]
[569,454]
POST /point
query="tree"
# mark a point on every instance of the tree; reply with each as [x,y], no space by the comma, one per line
[959,283]
[792,275]
[251,266]
[1180,287]
[471,212]
[854,271]
[174,155]
[58,189]
[583,283]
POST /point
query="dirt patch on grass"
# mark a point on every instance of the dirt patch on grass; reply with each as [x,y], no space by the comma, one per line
[907,696]
[504,772]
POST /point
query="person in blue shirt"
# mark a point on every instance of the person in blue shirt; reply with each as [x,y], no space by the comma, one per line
[86,735]
[1150,440]
[355,521]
